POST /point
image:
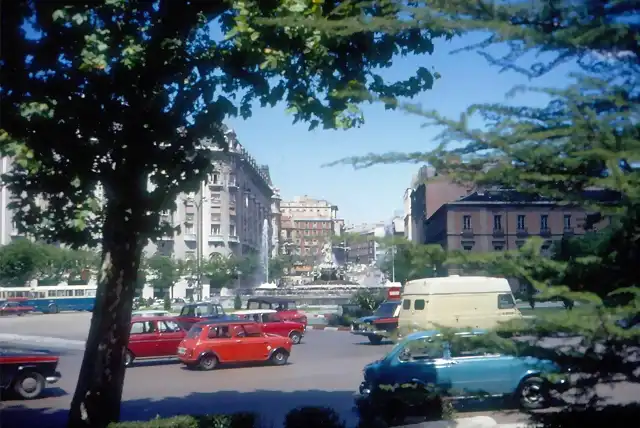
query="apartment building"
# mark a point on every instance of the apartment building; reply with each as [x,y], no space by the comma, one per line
[497,220]
[307,224]
[428,192]
[231,213]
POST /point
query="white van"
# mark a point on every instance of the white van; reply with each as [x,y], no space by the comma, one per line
[478,302]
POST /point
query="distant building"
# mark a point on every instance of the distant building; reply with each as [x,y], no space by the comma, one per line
[497,220]
[306,225]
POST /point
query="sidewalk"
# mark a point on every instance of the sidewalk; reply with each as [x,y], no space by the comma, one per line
[474,422]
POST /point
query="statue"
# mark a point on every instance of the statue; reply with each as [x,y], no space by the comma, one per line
[327,254]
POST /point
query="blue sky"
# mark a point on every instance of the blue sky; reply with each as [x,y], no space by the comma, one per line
[295,155]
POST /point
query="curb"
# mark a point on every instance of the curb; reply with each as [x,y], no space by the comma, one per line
[52,342]
[473,422]
[323,327]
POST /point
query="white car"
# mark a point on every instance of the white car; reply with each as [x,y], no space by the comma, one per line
[151,313]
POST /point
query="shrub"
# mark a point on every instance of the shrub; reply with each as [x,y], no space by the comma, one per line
[340,321]
[391,405]
[236,420]
[237,302]
[313,417]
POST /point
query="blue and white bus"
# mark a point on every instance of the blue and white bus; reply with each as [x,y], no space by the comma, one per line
[51,299]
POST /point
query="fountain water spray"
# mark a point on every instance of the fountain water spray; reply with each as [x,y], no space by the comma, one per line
[264,250]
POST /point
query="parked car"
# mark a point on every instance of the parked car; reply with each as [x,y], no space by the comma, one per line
[195,312]
[27,373]
[214,342]
[271,323]
[10,307]
[463,369]
[286,308]
[153,337]
[151,313]
[384,320]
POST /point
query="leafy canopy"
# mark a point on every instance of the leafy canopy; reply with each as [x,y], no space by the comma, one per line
[586,137]
[161,78]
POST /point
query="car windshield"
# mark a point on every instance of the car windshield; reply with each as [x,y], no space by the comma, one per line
[386,309]
[194,332]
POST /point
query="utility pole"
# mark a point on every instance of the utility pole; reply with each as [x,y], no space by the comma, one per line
[199,232]
[393,263]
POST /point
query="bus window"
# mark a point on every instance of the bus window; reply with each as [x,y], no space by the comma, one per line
[79,293]
[51,293]
[90,293]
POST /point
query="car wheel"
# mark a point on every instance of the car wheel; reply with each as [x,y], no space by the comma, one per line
[29,385]
[279,358]
[533,393]
[208,362]
[53,309]
[375,340]
[295,337]
[128,358]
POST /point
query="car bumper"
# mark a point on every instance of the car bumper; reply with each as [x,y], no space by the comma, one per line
[382,333]
[54,378]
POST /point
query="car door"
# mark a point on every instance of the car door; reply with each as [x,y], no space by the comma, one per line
[421,360]
[143,339]
[170,336]
[251,344]
[272,324]
[474,370]
[221,342]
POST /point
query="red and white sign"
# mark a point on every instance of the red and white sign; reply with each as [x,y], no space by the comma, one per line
[393,293]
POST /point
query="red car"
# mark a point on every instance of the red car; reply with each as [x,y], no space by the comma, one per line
[214,342]
[27,373]
[153,337]
[14,307]
[271,323]
[286,309]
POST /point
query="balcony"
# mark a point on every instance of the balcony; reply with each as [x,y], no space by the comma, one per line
[234,238]
[545,231]
[498,232]
[568,231]
[522,232]
[467,233]
[190,236]
[231,184]
[215,236]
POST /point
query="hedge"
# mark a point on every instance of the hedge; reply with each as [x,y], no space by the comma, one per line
[389,405]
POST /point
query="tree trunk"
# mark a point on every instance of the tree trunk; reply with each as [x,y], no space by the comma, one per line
[96,401]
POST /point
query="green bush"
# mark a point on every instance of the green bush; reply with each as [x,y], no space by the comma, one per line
[313,417]
[237,302]
[340,321]
[236,420]
[392,405]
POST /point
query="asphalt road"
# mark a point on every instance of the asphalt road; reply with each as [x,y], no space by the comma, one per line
[324,370]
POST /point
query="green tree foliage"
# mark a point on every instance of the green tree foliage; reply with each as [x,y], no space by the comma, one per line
[22,261]
[279,266]
[587,136]
[367,300]
[161,83]
[164,272]
[237,302]
[221,271]
[406,260]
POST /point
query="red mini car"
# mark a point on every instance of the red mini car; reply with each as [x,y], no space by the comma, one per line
[271,323]
[286,308]
[153,337]
[14,307]
[210,343]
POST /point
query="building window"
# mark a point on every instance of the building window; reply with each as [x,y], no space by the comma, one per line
[189,218]
[215,198]
[215,218]
[567,221]
[232,230]
[215,229]
[544,222]
[498,247]
[466,222]
[215,178]
[497,222]
[521,222]
[232,179]
[189,230]
[467,247]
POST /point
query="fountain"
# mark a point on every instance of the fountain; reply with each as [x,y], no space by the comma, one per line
[264,251]
[328,271]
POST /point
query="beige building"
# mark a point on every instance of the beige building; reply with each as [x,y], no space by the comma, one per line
[307,225]
[230,214]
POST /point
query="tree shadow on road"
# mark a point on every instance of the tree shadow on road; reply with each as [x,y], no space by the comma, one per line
[272,406]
